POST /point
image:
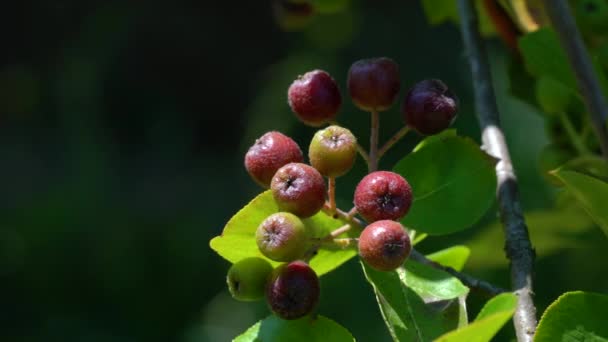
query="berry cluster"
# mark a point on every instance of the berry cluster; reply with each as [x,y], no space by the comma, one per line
[300,190]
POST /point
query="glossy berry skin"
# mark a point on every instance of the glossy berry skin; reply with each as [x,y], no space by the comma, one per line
[332,151]
[429,107]
[293,290]
[247,279]
[374,83]
[383,195]
[299,189]
[269,153]
[384,245]
[314,97]
[282,237]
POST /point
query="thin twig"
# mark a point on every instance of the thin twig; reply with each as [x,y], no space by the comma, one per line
[331,193]
[472,282]
[393,140]
[518,247]
[373,141]
[588,83]
[363,153]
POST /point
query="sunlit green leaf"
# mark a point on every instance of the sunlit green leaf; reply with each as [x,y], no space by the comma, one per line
[590,192]
[432,284]
[406,315]
[453,182]
[575,316]
[305,329]
[237,240]
[492,317]
[454,257]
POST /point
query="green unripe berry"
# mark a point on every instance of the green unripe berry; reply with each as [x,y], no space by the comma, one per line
[247,279]
[552,96]
[332,151]
[282,237]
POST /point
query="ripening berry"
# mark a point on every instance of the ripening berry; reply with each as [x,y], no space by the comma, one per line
[292,15]
[333,151]
[293,290]
[384,245]
[299,189]
[373,83]
[314,97]
[282,237]
[269,153]
[247,278]
[429,107]
[383,195]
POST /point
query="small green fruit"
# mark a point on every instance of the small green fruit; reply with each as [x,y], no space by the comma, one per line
[333,151]
[282,237]
[552,96]
[247,279]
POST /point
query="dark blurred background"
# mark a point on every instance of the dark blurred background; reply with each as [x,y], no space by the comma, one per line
[123,126]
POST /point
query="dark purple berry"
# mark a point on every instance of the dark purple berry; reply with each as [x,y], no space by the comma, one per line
[282,237]
[430,107]
[333,151]
[293,290]
[373,83]
[299,189]
[269,153]
[314,98]
[383,195]
[384,245]
[247,279]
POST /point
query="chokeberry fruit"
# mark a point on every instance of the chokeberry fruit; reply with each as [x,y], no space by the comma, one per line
[299,189]
[293,15]
[333,151]
[552,96]
[247,278]
[269,153]
[314,97]
[373,83]
[383,195]
[429,107]
[282,237]
[293,290]
[384,245]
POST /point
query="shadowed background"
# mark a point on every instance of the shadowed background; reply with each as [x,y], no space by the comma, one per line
[123,127]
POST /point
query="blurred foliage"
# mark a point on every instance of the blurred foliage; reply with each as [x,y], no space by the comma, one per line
[123,126]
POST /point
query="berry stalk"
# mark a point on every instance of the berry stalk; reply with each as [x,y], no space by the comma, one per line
[393,140]
[373,141]
[331,193]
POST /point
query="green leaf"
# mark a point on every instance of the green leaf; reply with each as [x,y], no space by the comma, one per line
[543,55]
[406,315]
[590,192]
[575,316]
[237,240]
[431,284]
[454,257]
[440,11]
[453,182]
[551,230]
[492,317]
[305,329]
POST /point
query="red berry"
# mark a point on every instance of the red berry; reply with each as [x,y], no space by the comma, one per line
[271,151]
[282,237]
[383,195]
[314,98]
[293,290]
[430,107]
[373,83]
[384,245]
[299,189]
